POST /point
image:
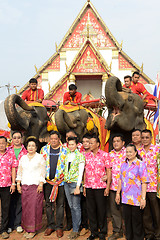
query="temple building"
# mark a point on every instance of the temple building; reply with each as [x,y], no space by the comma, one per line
[87,56]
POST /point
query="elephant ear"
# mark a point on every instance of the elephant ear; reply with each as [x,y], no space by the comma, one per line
[18,119]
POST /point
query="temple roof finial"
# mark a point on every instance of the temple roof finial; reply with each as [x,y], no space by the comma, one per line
[87,31]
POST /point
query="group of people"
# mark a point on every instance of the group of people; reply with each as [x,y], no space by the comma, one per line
[77,178]
[86,176]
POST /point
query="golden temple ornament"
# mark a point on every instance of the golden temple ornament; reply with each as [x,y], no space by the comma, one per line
[66,67]
[142,68]
[110,66]
[105,77]
[56,47]
[121,45]
[36,68]
[87,31]
[49,86]
[72,77]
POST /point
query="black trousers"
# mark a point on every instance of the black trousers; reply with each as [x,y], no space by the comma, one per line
[133,222]
[15,210]
[84,222]
[96,209]
[50,207]
[5,203]
[116,213]
[151,216]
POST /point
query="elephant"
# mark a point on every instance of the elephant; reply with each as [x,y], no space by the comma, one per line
[125,109]
[76,120]
[30,119]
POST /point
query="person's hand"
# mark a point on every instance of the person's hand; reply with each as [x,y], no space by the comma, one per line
[77,191]
[73,104]
[104,178]
[84,191]
[127,90]
[39,101]
[12,188]
[106,192]
[66,102]
[19,188]
[156,102]
[117,199]
[40,188]
[142,203]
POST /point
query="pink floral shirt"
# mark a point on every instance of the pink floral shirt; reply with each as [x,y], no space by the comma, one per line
[22,152]
[6,164]
[95,169]
[116,159]
[150,159]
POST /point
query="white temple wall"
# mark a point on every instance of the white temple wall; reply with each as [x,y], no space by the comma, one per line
[70,55]
[107,55]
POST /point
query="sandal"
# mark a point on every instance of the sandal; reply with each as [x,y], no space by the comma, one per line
[31,235]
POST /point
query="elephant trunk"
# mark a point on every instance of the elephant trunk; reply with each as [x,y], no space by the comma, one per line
[113,98]
[14,118]
[66,124]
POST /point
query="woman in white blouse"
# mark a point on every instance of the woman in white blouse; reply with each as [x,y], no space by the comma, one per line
[30,179]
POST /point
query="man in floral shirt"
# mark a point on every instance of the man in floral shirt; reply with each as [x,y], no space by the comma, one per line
[54,154]
[17,150]
[151,217]
[97,166]
[116,157]
[7,183]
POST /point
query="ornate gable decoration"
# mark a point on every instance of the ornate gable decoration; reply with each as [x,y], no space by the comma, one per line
[55,65]
[99,37]
[88,63]
[123,63]
[58,93]
[142,80]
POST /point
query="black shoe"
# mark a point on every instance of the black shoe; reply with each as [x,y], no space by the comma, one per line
[68,228]
[91,237]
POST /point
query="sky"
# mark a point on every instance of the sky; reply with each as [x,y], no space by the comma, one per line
[29,30]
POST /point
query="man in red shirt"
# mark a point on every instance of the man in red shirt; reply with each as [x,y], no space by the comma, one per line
[72,97]
[33,93]
[139,89]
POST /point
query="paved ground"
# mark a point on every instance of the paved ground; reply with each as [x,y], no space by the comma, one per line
[40,236]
